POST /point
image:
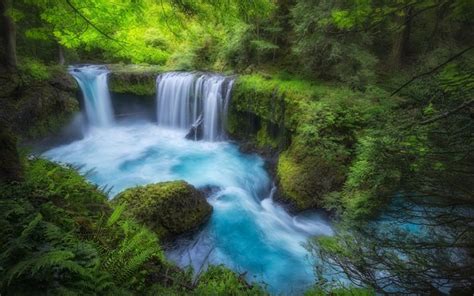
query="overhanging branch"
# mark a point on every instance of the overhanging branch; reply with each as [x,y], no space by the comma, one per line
[432,70]
[91,23]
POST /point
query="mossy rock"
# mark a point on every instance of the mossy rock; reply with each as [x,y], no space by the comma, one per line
[168,208]
[38,107]
[304,183]
[133,79]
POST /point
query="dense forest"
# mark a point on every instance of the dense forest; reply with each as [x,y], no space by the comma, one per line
[361,109]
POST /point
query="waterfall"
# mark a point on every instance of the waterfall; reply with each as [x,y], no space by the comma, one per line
[93,82]
[182,98]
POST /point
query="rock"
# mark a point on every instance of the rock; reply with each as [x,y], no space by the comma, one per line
[303,183]
[168,208]
[195,132]
[133,79]
[34,110]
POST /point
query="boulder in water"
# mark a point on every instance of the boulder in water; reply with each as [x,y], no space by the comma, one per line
[168,208]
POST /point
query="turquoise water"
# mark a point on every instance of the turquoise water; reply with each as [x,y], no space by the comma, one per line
[247,231]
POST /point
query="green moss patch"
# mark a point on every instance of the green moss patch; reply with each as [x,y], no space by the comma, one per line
[169,208]
[133,79]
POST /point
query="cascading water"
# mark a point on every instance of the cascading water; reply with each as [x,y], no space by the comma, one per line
[183,98]
[247,231]
[93,82]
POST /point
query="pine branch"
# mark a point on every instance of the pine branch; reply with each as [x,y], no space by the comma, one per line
[435,69]
[447,113]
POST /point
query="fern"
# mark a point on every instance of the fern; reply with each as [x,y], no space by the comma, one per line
[116,214]
[35,264]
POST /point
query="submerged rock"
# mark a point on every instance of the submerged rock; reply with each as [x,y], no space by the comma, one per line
[168,208]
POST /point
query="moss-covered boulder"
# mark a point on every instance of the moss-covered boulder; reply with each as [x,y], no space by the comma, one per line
[304,183]
[169,208]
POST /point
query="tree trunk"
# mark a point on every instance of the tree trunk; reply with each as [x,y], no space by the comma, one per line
[400,45]
[8,33]
[441,13]
[10,165]
[61,59]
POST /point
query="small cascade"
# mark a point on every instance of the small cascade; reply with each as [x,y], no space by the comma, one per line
[92,80]
[184,98]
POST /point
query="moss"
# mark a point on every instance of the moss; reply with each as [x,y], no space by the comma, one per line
[169,208]
[54,121]
[34,108]
[133,79]
[304,182]
[132,84]
[264,138]
[316,124]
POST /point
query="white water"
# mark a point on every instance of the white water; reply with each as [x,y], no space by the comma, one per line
[247,231]
[183,97]
[93,82]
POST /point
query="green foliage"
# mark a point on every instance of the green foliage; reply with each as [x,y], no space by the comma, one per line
[35,69]
[373,175]
[61,236]
[218,280]
[344,291]
[183,34]
[53,237]
[325,123]
[323,52]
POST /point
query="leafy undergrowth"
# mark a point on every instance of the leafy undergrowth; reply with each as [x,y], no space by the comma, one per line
[60,236]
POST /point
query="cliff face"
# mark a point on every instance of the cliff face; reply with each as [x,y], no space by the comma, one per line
[307,130]
[133,79]
[34,107]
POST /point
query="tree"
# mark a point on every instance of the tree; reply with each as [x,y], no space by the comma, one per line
[422,242]
[8,34]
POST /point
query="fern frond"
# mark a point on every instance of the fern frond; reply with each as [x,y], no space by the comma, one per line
[116,214]
[35,264]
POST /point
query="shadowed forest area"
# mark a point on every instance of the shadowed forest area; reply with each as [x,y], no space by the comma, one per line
[290,147]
